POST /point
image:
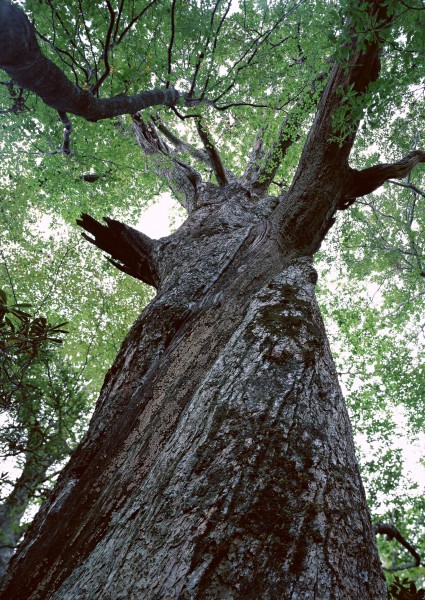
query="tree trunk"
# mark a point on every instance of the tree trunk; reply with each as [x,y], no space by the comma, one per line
[219,463]
[15,505]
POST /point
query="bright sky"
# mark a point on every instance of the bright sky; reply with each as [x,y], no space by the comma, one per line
[157,219]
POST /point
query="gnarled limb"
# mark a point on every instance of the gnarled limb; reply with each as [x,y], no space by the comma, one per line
[366,181]
[131,248]
[181,177]
[393,533]
[23,61]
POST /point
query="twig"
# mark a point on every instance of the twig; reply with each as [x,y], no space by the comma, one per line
[408,186]
[107,70]
[66,144]
[170,46]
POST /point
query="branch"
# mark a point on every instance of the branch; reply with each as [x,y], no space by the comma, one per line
[256,155]
[180,144]
[66,144]
[71,40]
[132,22]
[170,46]
[107,70]
[21,58]
[212,152]
[366,181]
[195,75]
[393,533]
[248,55]
[307,214]
[131,248]
[181,177]
[409,186]
[214,45]
[271,162]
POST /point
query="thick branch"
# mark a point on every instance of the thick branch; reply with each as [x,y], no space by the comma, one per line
[133,249]
[288,134]
[306,215]
[212,152]
[21,58]
[393,533]
[366,181]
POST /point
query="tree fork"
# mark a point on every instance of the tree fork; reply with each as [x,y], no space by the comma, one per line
[366,181]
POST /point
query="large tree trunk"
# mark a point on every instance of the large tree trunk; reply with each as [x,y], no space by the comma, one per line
[219,462]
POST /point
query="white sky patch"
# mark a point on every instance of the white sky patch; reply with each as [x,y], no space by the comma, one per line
[158,219]
[43,227]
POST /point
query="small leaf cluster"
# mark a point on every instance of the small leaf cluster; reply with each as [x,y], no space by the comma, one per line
[24,333]
[404,589]
[42,403]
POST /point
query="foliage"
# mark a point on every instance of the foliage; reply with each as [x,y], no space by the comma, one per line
[404,589]
[376,329]
[42,403]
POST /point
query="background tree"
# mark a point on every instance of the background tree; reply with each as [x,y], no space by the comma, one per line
[252,395]
[42,409]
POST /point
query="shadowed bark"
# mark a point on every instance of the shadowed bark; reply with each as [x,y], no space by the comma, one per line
[366,181]
[134,250]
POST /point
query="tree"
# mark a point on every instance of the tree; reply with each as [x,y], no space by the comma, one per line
[219,462]
[41,406]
